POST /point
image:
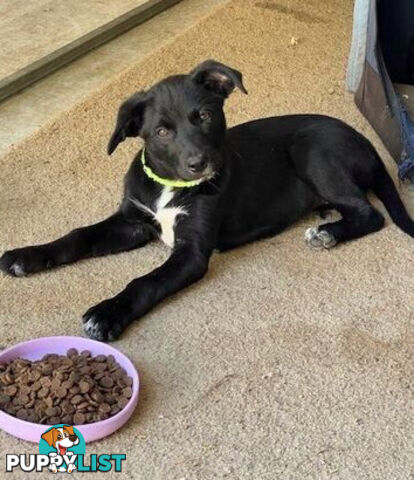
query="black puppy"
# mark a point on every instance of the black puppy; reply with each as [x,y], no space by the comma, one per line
[200,187]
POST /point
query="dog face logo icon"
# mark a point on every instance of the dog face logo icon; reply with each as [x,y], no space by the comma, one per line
[62,443]
[61,438]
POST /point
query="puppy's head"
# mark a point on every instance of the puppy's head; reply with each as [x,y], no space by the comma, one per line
[61,438]
[181,120]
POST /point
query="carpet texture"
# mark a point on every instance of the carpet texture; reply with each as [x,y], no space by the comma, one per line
[283,362]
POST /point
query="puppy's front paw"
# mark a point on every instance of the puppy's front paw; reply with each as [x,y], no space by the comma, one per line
[107,320]
[318,239]
[22,261]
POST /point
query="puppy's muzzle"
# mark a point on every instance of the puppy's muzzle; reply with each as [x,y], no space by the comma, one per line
[197,163]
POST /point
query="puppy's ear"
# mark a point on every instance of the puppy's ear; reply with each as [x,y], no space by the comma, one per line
[50,437]
[218,77]
[129,121]
[69,429]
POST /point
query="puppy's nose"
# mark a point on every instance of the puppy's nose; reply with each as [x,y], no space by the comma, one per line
[73,438]
[197,163]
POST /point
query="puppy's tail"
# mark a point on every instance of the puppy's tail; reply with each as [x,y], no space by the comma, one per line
[385,190]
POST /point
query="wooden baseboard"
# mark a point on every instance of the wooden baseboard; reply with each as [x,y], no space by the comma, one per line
[73,50]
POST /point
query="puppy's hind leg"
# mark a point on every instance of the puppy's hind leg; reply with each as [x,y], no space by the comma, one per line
[329,170]
[359,218]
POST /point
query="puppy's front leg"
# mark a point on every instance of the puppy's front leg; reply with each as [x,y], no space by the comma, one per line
[187,264]
[115,234]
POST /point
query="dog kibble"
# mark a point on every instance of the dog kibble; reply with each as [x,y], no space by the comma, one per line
[97,396]
[11,390]
[22,414]
[55,384]
[61,392]
[76,399]
[84,387]
[45,381]
[100,358]
[127,392]
[82,406]
[53,420]
[106,382]
[79,418]
[43,392]
[72,352]
[122,402]
[73,389]
[104,408]
[24,390]
[36,387]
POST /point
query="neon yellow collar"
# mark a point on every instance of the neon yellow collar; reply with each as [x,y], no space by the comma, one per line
[165,181]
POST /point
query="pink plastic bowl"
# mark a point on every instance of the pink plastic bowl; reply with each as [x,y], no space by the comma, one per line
[34,350]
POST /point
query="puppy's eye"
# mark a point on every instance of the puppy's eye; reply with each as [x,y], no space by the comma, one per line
[205,115]
[163,132]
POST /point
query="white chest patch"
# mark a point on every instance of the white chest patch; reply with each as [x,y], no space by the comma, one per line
[165,216]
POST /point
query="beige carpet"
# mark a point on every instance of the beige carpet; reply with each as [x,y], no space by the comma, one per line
[282,363]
